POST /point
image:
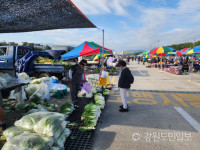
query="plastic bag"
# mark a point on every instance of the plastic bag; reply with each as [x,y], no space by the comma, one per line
[56,86]
[9,146]
[87,87]
[50,126]
[33,141]
[30,122]
[18,94]
[104,74]
[12,131]
[3,82]
[62,138]
[41,92]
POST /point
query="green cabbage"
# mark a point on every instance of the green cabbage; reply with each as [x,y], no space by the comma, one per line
[32,140]
[106,92]
[12,131]
[90,115]
[30,89]
[93,91]
[9,146]
[89,95]
[36,81]
[24,76]
[54,148]
[29,121]
[50,126]
[62,138]
[67,108]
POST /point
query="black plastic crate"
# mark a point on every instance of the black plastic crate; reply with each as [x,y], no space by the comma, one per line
[82,140]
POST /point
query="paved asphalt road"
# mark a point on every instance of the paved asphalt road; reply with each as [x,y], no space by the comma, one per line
[164,113]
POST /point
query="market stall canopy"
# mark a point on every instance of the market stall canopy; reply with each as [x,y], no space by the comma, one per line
[99,46]
[83,50]
[178,53]
[144,53]
[162,49]
[184,50]
[196,49]
[25,16]
[99,56]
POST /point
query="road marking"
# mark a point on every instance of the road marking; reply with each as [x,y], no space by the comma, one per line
[193,82]
[141,73]
[188,118]
[113,79]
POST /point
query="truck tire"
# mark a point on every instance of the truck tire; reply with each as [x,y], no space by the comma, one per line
[43,75]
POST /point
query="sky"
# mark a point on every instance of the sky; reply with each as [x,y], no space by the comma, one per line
[127,24]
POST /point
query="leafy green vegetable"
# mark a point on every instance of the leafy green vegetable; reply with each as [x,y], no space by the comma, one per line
[73,137]
[73,124]
[21,105]
[67,108]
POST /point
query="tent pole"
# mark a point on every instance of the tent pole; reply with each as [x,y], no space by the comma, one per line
[103,47]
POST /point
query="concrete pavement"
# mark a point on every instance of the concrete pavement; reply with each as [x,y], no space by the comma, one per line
[163,114]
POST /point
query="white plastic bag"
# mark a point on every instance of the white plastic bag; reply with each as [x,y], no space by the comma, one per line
[41,92]
[104,74]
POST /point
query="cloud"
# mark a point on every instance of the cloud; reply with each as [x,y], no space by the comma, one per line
[99,7]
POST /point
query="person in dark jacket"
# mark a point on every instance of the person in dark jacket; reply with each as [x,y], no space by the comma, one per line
[124,83]
[76,75]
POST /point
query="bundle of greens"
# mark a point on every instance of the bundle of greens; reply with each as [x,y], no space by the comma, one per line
[38,131]
[93,91]
[28,122]
[29,141]
[106,92]
[62,138]
[24,76]
[90,115]
[30,90]
[10,132]
[67,108]
[99,100]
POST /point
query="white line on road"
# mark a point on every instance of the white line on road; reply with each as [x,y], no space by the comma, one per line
[141,73]
[187,117]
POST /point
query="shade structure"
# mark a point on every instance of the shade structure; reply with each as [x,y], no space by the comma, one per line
[36,15]
[93,44]
[143,53]
[184,50]
[82,50]
[161,49]
[178,53]
[196,49]
[190,52]
[99,56]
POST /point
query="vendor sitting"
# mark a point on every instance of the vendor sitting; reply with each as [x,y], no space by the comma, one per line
[185,66]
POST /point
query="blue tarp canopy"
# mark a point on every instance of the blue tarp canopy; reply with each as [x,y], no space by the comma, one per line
[26,63]
[196,49]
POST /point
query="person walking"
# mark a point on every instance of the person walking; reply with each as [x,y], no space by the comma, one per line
[124,83]
[76,75]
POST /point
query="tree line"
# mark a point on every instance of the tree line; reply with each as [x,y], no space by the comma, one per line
[184,45]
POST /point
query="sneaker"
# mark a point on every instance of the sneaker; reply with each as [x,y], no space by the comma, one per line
[123,110]
[122,106]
